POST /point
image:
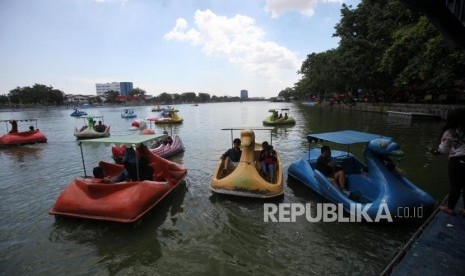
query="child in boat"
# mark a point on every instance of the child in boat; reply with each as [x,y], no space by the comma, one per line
[268,159]
[100,173]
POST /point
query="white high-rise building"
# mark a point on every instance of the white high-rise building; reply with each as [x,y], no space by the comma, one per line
[123,88]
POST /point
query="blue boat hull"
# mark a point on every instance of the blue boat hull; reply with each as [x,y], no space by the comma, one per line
[78,113]
[376,192]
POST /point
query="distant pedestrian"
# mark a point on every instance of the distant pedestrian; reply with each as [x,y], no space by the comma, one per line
[453,144]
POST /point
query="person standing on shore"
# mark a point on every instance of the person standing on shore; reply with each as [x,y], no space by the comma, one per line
[453,144]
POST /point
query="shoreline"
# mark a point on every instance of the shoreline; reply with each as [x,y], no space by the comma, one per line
[439,111]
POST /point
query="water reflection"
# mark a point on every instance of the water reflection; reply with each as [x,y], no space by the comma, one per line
[23,153]
[120,246]
[193,231]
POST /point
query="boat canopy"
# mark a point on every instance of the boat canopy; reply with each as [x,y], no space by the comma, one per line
[252,128]
[22,120]
[127,141]
[345,137]
[276,109]
[91,116]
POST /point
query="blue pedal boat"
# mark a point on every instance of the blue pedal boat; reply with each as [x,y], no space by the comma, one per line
[374,187]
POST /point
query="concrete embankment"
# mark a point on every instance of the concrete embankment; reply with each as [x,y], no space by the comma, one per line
[440,110]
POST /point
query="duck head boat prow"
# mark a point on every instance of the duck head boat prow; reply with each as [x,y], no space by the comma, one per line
[245,180]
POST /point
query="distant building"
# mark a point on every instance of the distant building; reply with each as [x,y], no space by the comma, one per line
[77,99]
[123,88]
[244,94]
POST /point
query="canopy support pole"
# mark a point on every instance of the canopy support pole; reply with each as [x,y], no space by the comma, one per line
[137,161]
[82,158]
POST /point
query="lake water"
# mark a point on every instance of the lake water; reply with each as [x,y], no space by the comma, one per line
[193,231]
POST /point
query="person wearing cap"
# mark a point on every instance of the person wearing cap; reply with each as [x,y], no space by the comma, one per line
[232,156]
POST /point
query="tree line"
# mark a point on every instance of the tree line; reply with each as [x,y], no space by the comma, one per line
[387,52]
[42,95]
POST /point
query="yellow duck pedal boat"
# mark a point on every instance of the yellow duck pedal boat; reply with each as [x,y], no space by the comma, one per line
[246,179]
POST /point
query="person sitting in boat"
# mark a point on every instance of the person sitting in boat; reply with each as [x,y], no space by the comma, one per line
[333,172]
[14,127]
[31,128]
[100,174]
[100,127]
[167,140]
[285,116]
[145,170]
[280,116]
[268,159]
[232,156]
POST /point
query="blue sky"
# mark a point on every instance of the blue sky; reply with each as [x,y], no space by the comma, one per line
[174,46]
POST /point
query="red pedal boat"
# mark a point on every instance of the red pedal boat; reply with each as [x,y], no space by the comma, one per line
[125,201]
[16,138]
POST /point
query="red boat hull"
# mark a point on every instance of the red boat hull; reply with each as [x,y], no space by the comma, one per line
[22,138]
[90,198]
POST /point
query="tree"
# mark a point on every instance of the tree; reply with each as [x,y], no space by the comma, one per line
[138,93]
[204,97]
[112,96]
[39,94]
[189,97]
[165,98]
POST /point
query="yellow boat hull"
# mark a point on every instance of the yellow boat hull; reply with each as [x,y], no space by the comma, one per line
[246,180]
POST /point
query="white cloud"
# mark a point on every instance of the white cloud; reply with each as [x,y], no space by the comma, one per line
[305,7]
[240,41]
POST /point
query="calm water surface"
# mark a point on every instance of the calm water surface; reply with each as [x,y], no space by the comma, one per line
[193,231]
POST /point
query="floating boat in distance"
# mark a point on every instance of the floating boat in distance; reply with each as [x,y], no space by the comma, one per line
[309,103]
[141,126]
[276,118]
[78,113]
[128,113]
[167,150]
[168,116]
[91,130]
[14,137]
[373,187]
[127,201]
[245,180]
[156,108]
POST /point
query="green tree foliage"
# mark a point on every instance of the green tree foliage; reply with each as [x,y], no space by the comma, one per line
[204,97]
[188,97]
[112,96]
[384,47]
[165,98]
[138,93]
[38,94]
